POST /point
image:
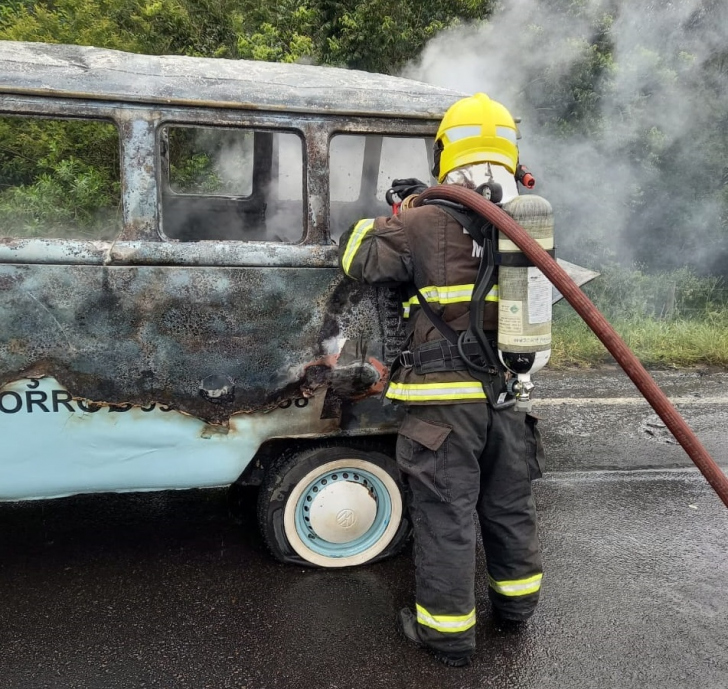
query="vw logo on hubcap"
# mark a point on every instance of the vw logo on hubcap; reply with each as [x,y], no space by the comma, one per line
[346,518]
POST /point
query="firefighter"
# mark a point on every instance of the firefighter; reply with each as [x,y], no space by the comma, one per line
[458,451]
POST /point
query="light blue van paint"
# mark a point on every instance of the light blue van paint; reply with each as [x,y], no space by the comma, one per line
[51,447]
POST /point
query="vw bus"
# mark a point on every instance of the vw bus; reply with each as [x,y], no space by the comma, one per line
[193,329]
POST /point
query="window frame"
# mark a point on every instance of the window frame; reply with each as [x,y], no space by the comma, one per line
[140,242]
[249,125]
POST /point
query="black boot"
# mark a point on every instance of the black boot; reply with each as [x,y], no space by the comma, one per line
[510,623]
[409,626]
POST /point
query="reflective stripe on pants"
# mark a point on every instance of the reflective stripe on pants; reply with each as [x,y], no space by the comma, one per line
[517,587]
[447,624]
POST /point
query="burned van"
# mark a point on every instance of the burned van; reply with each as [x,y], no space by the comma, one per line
[172,314]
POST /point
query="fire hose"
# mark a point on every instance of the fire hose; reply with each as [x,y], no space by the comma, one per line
[596,321]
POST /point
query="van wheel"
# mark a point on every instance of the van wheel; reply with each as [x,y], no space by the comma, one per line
[332,507]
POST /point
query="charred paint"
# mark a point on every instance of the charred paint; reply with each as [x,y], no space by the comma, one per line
[151,334]
[95,73]
[138,179]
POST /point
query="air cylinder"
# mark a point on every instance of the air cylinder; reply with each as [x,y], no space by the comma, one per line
[524,305]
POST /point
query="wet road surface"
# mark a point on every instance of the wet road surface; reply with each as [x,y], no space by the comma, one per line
[598,419]
[164,590]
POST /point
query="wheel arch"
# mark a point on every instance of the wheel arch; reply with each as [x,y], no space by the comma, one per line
[271,451]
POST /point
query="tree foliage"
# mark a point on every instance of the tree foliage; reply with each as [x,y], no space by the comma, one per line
[373,35]
[59,177]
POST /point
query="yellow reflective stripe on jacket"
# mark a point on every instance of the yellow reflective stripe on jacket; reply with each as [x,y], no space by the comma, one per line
[517,587]
[360,229]
[432,392]
[449,624]
[447,295]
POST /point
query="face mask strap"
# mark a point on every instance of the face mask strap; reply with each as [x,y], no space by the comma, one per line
[436,155]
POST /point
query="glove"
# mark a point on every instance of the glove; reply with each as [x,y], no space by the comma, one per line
[407,187]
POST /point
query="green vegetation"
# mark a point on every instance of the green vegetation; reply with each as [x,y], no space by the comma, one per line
[680,343]
[59,178]
[372,35]
[671,319]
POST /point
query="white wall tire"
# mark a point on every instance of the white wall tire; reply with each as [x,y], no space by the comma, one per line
[333,507]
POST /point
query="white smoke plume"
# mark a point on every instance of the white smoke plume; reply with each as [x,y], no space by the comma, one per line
[634,164]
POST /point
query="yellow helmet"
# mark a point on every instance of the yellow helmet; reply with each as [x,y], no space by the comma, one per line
[475,130]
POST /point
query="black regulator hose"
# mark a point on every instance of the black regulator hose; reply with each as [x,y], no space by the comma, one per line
[594,319]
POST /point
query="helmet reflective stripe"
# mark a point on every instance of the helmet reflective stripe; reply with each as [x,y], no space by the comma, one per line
[432,392]
[360,229]
[507,133]
[448,624]
[517,587]
[457,133]
[453,294]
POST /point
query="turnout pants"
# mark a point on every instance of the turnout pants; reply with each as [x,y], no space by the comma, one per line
[456,459]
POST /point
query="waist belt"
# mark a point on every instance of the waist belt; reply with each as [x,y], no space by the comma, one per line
[441,355]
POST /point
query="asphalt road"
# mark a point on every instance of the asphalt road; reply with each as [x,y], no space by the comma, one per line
[165,590]
[599,420]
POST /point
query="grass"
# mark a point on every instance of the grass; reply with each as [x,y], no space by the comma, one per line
[680,343]
[669,320]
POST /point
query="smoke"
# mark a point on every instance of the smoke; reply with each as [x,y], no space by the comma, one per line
[625,108]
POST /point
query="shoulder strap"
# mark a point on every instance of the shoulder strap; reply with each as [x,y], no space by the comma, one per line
[476,227]
[473,223]
[439,323]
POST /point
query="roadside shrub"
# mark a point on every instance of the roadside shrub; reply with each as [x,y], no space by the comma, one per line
[71,198]
[629,293]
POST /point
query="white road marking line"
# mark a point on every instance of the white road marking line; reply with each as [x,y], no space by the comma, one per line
[622,401]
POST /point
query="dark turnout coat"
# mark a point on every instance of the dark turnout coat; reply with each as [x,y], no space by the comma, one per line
[427,248]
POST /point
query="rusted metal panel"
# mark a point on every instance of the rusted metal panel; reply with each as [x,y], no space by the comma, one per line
[317,181]
[203,116]
[213,329]
[140,208]
[203,253]
[150,334]
[95,73]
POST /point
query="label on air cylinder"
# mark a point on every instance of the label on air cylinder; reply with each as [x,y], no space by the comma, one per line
[510,317]
[539,297]
[529,342]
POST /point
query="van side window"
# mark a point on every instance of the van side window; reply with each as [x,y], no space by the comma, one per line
[231,184]
[59,179]
[362,169]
